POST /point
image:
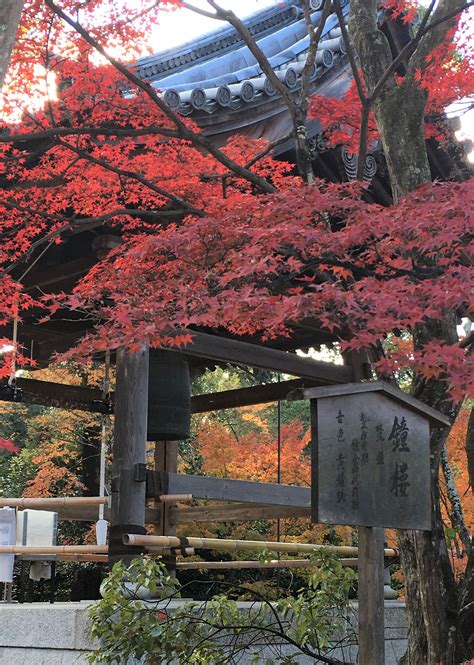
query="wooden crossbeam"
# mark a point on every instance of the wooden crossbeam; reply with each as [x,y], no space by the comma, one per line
[47,393]
[237,352]
[224,489]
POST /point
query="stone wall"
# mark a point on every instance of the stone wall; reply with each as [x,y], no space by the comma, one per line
[43,634]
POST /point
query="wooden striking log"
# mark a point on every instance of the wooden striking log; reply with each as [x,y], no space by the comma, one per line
[241,565]
[54,549]
[54,503]
[236,545]
[234,512]
[224,489]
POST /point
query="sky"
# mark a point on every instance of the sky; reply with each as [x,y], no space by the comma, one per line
[180,26]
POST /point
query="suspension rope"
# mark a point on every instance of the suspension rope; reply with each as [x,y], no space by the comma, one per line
[103,432]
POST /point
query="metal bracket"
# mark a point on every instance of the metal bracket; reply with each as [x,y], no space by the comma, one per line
[139,473]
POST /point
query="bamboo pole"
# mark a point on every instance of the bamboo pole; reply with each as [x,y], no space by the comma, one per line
[54,502]
[235,545]
[83,558]
[54,549]
[240,565]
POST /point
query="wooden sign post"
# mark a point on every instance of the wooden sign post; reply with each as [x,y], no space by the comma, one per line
[371,469]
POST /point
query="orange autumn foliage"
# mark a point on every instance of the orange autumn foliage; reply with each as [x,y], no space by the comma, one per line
[456,444]
[254,454]
[54,476]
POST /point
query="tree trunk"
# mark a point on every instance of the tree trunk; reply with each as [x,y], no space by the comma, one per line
[10,11]
[435,619]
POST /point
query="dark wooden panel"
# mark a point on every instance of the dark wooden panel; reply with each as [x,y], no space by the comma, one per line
[224,489]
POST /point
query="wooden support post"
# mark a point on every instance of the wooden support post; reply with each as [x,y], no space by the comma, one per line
[371,565]
[129,451]
[371,592]
[166,459]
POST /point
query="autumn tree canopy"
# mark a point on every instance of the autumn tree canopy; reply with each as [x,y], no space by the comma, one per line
[108,152]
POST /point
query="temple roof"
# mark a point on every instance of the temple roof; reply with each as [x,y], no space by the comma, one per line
[218,81]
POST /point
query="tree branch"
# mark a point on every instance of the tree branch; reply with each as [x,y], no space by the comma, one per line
[183,129]
[88,131]
[188,207]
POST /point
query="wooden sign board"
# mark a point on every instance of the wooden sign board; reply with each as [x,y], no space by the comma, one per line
[371,456]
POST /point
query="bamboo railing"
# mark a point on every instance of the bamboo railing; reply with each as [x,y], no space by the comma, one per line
[54,549]
[49,503]
[173,542]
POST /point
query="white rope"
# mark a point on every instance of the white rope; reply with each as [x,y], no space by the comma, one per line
[101,524]
[11,380]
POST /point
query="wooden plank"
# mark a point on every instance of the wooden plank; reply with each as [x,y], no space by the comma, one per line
[166,460]
[234,512]
[242,353]
[224,489]
[371,592]
[269,392]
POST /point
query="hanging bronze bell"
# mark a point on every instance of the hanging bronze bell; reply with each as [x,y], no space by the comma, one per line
[169,396]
